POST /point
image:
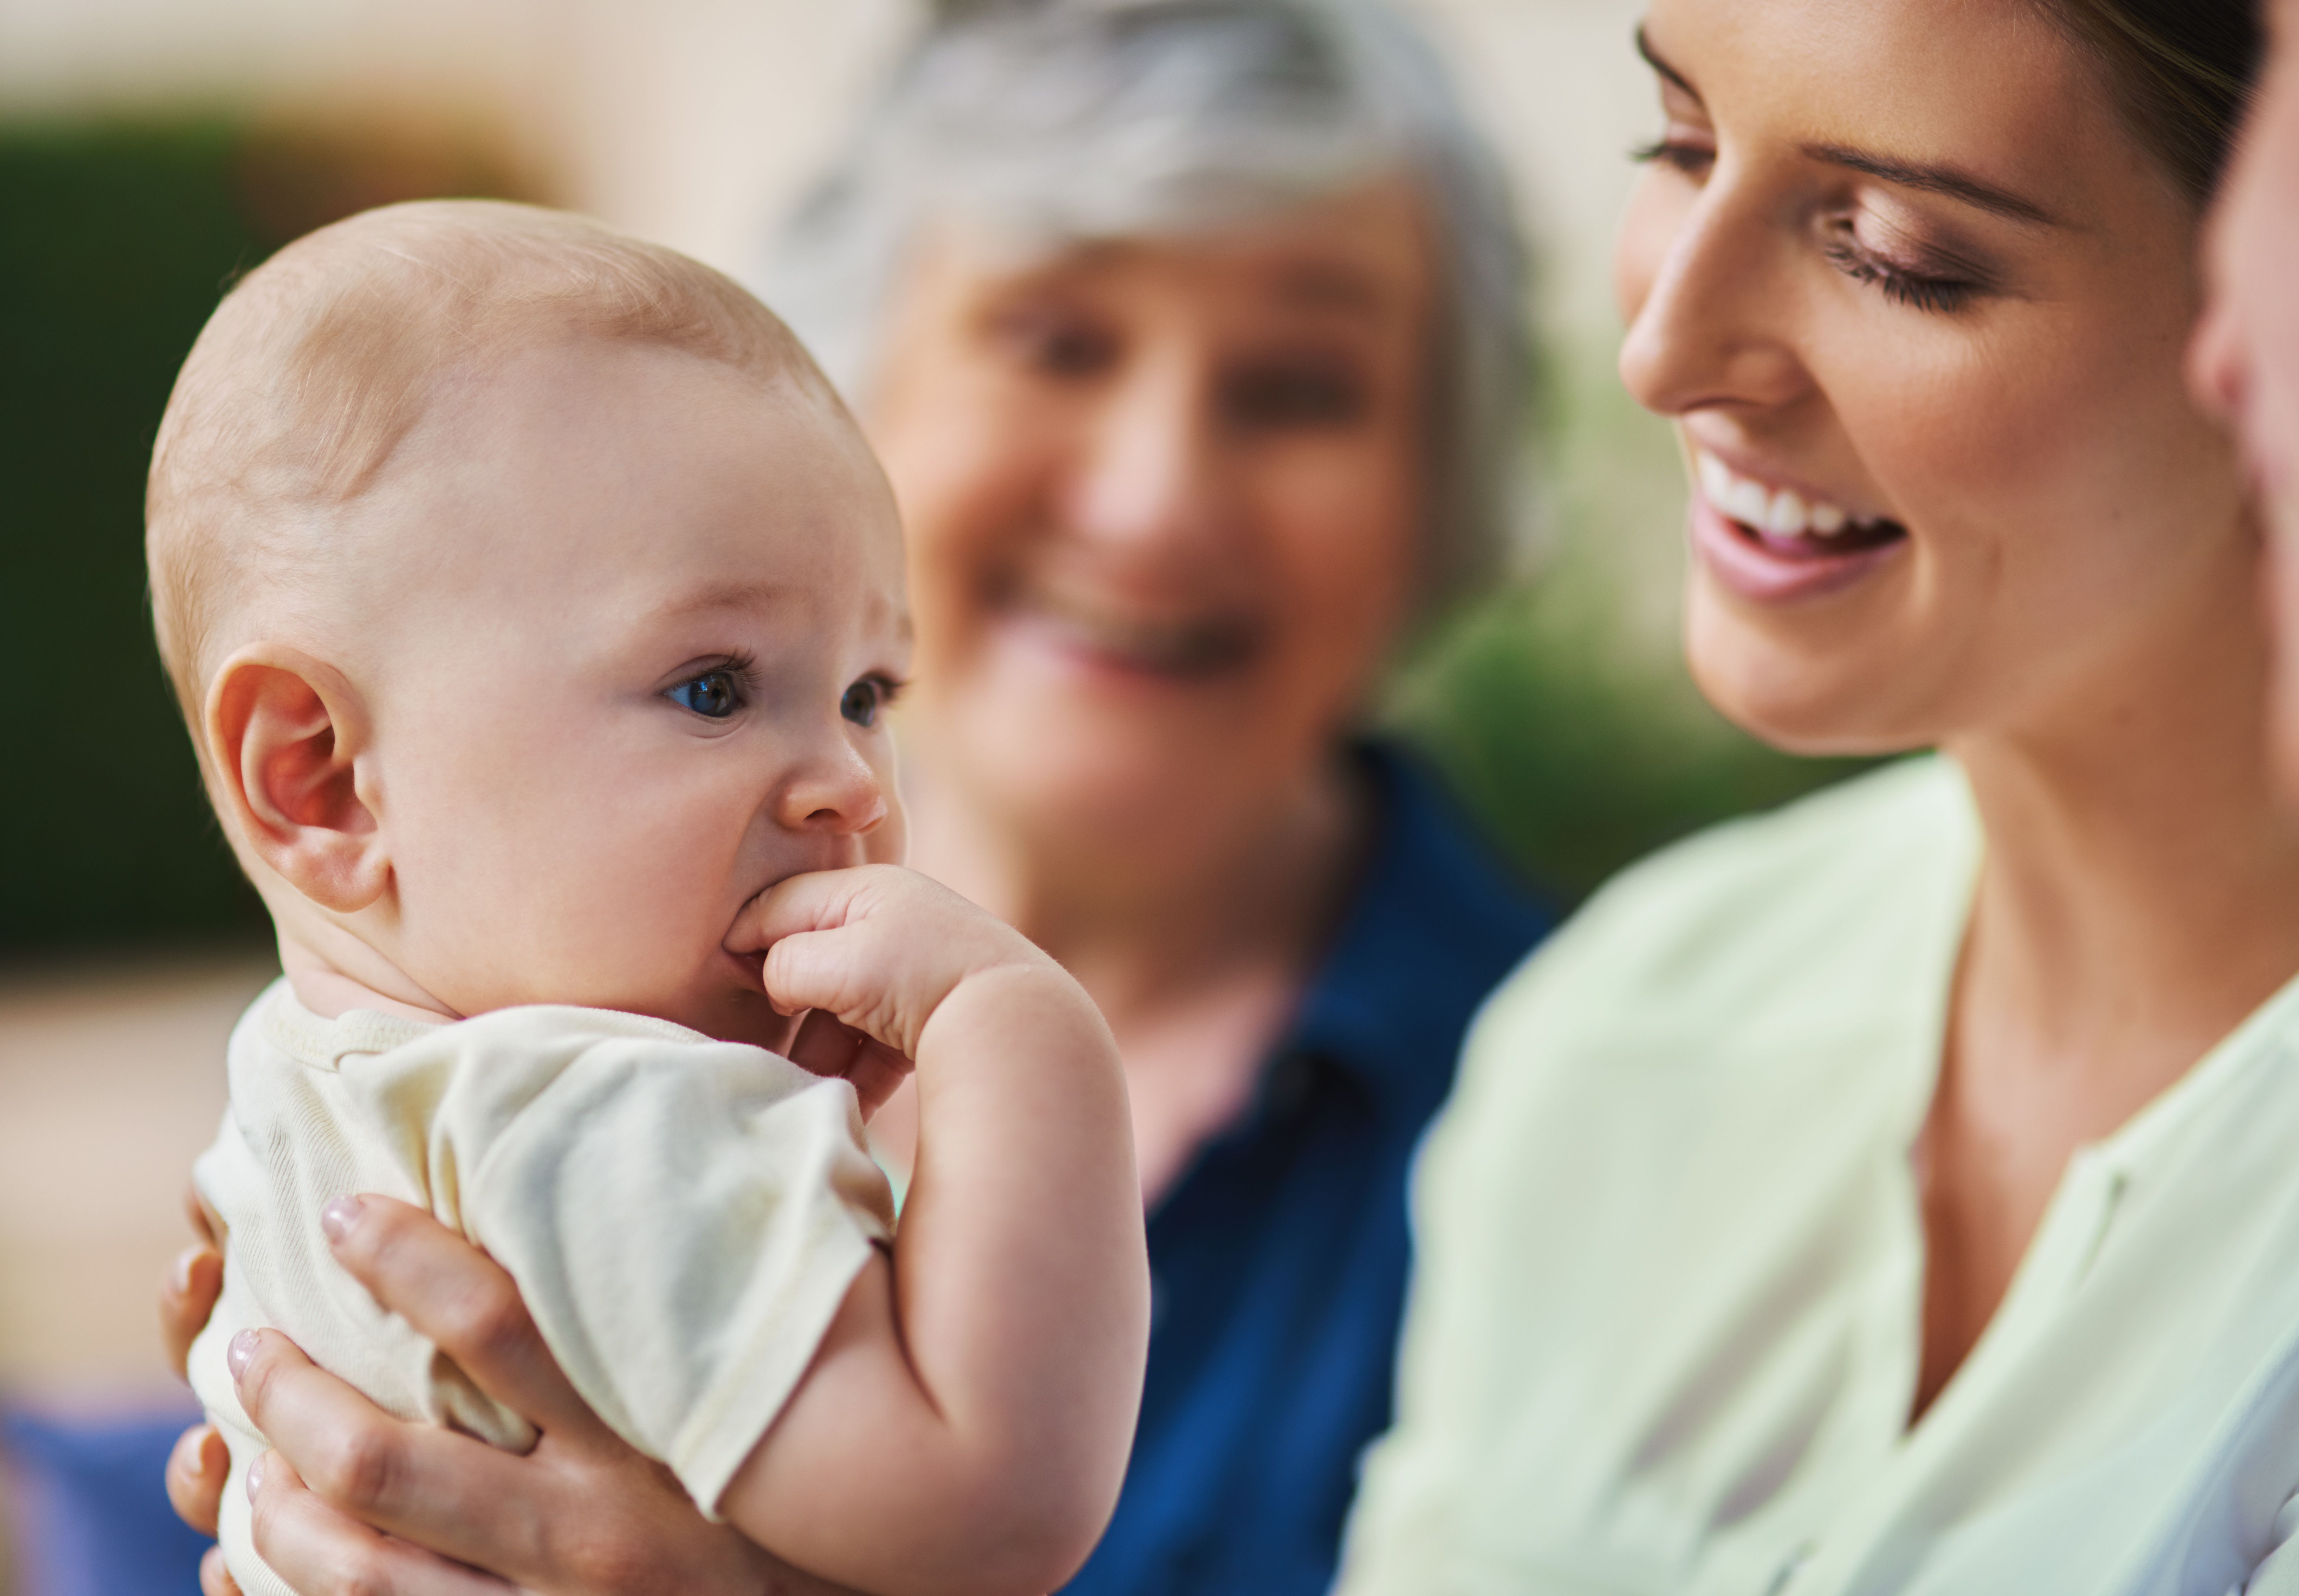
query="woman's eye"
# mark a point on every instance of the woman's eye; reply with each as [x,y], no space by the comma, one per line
[1293,395]
[862,701]
[714,694]
[1055,345]
[1918,290]
[1692,159]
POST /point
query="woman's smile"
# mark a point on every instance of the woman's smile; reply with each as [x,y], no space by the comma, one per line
[1771,542]
[1108,632]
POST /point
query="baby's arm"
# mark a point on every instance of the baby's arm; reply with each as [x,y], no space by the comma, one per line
[964,1424]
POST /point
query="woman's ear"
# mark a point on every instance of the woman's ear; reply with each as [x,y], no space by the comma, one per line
[284,731]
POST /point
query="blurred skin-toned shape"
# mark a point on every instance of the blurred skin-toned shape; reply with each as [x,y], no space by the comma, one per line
[1915,308]
[2245,359]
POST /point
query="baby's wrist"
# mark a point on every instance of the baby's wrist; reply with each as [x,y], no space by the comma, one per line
[1034,996]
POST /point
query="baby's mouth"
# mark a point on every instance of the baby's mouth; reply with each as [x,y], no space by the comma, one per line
[1181,646]
[1786,522]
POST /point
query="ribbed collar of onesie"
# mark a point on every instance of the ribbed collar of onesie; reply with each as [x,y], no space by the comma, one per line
[325,1044]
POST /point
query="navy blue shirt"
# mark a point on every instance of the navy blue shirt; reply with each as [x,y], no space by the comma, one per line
[1278,1263]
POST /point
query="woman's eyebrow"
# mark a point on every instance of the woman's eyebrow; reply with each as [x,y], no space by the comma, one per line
[1949,181]
[1653,60]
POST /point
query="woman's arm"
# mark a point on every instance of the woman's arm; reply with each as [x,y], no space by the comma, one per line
[351,1499]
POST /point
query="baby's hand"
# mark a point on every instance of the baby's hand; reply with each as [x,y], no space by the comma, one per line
[873,952]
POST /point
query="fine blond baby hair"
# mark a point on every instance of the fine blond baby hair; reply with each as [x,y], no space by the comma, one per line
[320,363]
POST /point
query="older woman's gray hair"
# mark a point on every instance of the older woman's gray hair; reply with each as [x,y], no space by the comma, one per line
[1069,120]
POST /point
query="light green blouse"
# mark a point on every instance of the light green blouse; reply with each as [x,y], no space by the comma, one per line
[1664,1332]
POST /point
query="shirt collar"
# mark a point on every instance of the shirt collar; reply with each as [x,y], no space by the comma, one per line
[1435,924]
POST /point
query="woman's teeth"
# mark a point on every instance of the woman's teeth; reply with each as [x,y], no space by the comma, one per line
[1781,514]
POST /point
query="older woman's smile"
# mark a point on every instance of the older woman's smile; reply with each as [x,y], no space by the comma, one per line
[1107,631]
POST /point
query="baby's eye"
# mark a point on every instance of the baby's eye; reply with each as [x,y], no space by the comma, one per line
[861,701]
[714,694]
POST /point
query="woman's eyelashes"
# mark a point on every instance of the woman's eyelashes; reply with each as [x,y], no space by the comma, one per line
[1940,283]
[1691,157]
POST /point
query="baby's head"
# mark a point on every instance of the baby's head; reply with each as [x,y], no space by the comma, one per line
[532,602]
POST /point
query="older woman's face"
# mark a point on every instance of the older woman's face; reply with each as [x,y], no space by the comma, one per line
[1915,299]
[1165,504]
[2246,355]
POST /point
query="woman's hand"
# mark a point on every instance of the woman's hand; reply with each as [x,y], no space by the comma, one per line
[354,1499]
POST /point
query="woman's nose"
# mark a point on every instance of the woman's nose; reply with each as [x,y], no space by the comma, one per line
[1706,325]
[836,791]
[1149,472]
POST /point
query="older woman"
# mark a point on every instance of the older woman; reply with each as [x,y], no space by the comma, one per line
[1897,1193]
[1187,333]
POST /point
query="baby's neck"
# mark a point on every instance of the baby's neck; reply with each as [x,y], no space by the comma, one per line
[331,982]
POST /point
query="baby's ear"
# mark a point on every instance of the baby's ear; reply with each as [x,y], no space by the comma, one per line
[284,734]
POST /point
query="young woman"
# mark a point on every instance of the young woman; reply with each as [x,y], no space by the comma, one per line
[1896,1194]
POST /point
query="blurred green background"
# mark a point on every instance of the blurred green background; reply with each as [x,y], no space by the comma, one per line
[1561,720]
[118,239]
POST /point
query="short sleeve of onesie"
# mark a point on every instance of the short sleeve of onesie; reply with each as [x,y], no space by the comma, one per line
[683,1217]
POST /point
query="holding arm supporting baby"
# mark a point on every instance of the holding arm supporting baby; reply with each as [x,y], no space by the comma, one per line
[534,604]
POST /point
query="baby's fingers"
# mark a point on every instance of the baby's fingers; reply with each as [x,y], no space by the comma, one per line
[818,901]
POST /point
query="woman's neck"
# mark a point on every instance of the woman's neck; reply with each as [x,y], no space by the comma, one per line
[2139,897]
[2140,893]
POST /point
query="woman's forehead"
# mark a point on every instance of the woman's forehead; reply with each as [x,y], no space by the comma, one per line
[1995,92]
[1359,255]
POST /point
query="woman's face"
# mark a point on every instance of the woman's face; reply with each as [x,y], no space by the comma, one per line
[1165,506]
[1915,300]
[2246,355]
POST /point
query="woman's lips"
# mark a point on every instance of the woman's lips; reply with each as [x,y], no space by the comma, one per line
[1775,546]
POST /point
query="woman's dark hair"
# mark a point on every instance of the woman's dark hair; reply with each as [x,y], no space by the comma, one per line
[2182,72]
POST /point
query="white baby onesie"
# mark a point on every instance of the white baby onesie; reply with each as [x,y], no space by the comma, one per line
[683,1217]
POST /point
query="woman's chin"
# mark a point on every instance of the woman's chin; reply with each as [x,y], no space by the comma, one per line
[1817,702]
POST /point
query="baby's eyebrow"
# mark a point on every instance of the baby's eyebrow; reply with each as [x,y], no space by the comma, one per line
[720,595]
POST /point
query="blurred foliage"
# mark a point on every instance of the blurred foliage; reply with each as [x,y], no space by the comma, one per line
[1559,707]
[116,241]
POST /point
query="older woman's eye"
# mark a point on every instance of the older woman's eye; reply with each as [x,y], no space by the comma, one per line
[1055,344]
[714,695]
[1286,395]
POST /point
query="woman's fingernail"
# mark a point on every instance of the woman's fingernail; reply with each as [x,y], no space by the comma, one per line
[255,1475]
[237,1356]
[339,1217]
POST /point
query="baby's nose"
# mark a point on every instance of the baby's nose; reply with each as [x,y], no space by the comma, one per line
[839,794]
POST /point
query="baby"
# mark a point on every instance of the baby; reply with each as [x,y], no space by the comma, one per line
[535,607]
